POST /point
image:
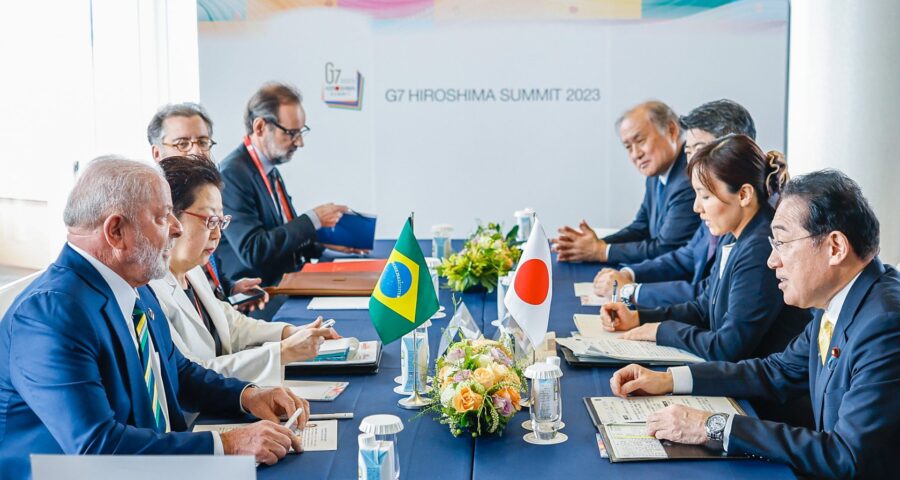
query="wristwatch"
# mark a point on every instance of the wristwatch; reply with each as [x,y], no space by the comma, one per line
[715,426]
[626,293]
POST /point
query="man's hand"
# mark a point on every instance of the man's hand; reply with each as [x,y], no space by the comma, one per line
[303,343]
[343,249]
[267,441]
[637,380]
[273,403]
[679,424]
[579,245]
[330,213]
[603,282]
[245,285]
[646,333]
[624,320]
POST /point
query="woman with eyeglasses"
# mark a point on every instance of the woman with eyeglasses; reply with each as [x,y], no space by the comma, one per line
[741,312]
[205,329]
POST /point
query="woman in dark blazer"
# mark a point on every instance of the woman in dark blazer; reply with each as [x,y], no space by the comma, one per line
[741,314]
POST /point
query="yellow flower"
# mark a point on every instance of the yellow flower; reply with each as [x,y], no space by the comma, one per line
[466,400]
[500,371]
[485,377]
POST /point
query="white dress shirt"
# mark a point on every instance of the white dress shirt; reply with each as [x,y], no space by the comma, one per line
[126,296]
[683,381]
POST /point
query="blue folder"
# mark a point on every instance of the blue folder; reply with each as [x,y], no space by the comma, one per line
[354,230]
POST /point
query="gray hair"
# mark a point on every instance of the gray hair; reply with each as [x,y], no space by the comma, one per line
[187,109]
[660,114]
[265,102]
[110,185]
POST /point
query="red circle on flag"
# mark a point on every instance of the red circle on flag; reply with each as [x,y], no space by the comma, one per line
[532,282]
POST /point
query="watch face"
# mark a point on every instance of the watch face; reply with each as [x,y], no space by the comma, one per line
[716,422]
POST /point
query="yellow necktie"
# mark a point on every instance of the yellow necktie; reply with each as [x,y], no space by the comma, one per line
[825,330]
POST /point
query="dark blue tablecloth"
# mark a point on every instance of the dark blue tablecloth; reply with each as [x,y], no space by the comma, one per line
[429,451]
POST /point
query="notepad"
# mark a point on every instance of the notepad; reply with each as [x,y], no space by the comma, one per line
[339,303]
[354,230]
[336,350]
[594,341]
[318,436]
[585,292]
[316,391]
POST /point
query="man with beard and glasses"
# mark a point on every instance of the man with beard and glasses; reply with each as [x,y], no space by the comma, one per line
[267,237]
[89,365]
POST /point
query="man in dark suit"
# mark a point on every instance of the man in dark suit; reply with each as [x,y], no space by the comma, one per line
[848,358]
[90,367]
[267,237]
[678,276]
[666,220]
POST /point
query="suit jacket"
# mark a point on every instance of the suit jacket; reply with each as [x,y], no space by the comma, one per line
[677,276]
[251,349]
[854,395]
[258,243]
[662,224]
[71,380]
[740,315]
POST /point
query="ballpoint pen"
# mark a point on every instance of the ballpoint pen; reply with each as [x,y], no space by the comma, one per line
[291,421]
[615,298]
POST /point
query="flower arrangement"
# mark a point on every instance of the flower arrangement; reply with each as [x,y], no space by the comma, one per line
[478,388]
[486,255]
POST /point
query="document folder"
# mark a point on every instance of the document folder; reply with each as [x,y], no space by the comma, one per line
[353,230]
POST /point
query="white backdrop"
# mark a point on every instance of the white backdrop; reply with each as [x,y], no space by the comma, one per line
[458,162]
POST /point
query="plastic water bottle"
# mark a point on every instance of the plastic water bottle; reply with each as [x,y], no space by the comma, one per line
[546,401]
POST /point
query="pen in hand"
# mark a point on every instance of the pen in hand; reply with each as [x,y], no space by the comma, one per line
[290,423]
[615,298]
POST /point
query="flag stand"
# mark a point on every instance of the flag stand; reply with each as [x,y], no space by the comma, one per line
[415,401]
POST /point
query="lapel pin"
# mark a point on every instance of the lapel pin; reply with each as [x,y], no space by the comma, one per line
[836,352]
[150,314]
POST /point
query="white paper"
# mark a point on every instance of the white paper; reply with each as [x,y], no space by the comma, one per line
[318,436]
[142,467]
[615,410]
[338,303]
[316,391]
[585,291]
[591,326]
[632,441]
[330,347]
[584,288]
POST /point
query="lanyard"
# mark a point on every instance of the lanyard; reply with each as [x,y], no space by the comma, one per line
[213,275]
[285,208]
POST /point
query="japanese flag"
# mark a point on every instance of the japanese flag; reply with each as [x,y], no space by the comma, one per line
[530,292]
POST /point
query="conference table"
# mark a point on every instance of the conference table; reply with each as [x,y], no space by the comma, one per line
[427,449]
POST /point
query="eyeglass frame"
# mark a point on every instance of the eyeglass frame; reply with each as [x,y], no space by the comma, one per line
[294,133]
[777,244]
[191,143]
[220,222]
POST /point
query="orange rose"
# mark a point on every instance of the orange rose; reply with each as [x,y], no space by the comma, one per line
[467,400]
[512,395]
[485,377]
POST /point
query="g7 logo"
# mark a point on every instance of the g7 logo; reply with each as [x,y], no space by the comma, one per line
[332,75]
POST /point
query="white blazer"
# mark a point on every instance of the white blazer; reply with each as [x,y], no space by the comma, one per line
[250,348]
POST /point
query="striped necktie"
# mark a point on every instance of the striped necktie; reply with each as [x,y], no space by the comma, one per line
[139,317]
[825,330]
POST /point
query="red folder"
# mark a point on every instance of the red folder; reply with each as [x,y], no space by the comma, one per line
[376,265]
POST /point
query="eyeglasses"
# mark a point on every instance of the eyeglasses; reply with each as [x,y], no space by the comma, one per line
[212,221]
[294,133]
[776,244]
[184,145]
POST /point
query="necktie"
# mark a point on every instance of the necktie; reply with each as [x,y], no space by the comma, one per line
[273,179]
[139,317]
[660,201]
[825,331]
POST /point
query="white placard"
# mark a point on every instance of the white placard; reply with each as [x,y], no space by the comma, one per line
[338,303]
[143,467]
[318,436]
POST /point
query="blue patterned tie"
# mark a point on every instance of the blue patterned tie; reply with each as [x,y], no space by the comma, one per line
[660,201]
[143,335]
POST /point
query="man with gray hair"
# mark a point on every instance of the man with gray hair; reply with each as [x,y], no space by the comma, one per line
[180,129]
[267,237]
[653,138]
[90,367]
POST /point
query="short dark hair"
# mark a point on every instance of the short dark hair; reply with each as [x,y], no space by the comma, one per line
[834,202]
[737,160]
[186,109]
[265,102]
[720,118]
[185,175]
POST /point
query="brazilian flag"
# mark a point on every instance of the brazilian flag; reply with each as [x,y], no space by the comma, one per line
[404,297]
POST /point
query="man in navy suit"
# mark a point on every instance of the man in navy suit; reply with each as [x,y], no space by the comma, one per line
[267,237]
[666,220]
[848,358]
[678,276]
[89,365]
